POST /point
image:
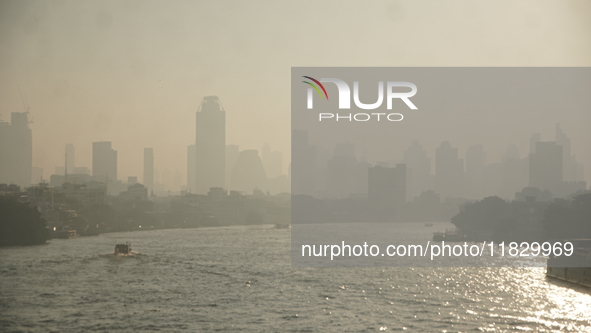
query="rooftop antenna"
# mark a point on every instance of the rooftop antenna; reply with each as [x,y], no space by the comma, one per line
[23,99]
[28,108]
[25,104]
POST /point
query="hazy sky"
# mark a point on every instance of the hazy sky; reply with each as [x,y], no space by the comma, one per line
[134,72]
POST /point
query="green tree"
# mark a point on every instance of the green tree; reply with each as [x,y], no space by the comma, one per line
[101,214]
[21,224]
[569,218]
[558,218]
[483,216]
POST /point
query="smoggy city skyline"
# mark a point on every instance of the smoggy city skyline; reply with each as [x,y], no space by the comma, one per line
[232,166]
[113,71]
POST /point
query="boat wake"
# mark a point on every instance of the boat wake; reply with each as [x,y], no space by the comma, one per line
[132,254]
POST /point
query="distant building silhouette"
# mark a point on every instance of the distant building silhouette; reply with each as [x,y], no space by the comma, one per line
[571,169]
[149,169]
[342,171]
[210,145]
[418,169]
[303,164]
[135,191]
[104,162]
[545,167]
[249,173]
[386,191]
[176,183]
[81,171]
[535,138]
[59,170]
[69,167]
[166,179]
[191,169]
[37,175]
[514,172]
[16,150]
[60,179]
[272,161]
[449,170]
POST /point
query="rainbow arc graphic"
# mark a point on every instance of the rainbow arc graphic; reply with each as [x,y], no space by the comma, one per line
[317,86]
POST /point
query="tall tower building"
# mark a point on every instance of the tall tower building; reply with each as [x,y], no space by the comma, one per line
[16,150]
[571,169]
[303,164]
[210,145]
[191,171]
[104,162]
[272,161]
[249,173]
[535,138]
[449,171]
[514,172]
[149,169]
[418,170]
[341,177]
[545,167]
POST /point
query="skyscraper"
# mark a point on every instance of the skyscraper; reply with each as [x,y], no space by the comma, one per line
[191,168]
[104,162]
[149,169]
[16,150]
[418,169]
[535,138]
[272,161]
[303,164]
[342,171]
[545,167]
[210,145]
[249,173]
[449,171]
[571,169]
[514,172]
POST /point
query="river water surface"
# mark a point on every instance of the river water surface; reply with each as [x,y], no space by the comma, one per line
[234,279]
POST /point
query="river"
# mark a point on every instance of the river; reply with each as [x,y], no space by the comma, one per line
[232,279]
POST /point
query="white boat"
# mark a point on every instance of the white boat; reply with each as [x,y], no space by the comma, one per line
[123,249]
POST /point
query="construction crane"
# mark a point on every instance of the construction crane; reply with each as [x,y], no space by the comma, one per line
[25,104]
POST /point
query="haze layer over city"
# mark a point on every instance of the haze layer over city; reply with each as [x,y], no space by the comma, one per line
[160,169]
[135,73]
